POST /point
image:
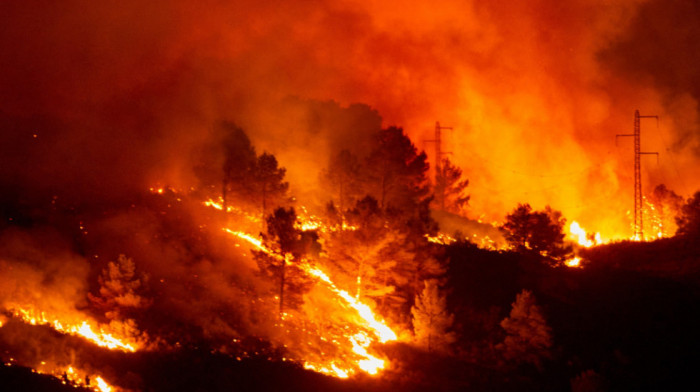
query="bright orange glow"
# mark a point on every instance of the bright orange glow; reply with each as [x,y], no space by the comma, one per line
[84,329]
[383,332]
[360,341]
[102,386]
[574,262]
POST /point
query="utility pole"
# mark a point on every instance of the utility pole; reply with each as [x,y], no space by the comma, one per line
[438,158]
[638,198]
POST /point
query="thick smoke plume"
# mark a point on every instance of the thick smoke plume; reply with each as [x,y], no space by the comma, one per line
[99,100]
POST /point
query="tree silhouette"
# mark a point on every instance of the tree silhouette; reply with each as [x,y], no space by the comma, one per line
[397,172]
[287,245]
[667,204]
[431,319]
[540,232]
[450,188]
[239,163]
[267,182]
[343,176]
[688,220]
[529,338]
[364,254]
[120,288]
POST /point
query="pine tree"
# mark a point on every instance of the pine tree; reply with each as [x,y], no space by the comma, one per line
[267,183]
[343,178]
[360,254]
[528,337]
[287,245]
[539,232]
[120,288]
[431,319]
[397,172]
[688,220]
[450,188]
[239,163]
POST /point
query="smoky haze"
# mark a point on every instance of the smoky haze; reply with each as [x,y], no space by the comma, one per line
[100,101]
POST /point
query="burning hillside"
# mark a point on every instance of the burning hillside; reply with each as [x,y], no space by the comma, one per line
[266,190]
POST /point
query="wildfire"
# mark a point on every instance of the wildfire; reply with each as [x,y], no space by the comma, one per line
[359,341]
[580,236]
[574,262]
[84,329]
[71,376]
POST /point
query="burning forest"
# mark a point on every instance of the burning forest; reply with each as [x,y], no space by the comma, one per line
[349,195]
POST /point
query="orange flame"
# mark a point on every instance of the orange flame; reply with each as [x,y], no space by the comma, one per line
[360,341]
[84,329]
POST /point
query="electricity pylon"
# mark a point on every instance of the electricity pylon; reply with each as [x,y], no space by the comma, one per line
[438,158]
[638,199]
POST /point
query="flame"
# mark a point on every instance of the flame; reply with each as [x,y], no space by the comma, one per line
[580,236]
[84,329]
[359,341]
[574,262]
[383,332]
[71,376]
[102,386]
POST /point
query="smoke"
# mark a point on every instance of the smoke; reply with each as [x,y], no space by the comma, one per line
[119,96]
[38,268]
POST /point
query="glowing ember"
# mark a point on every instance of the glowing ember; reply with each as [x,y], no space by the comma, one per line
[574,262]
[442,239]
[212,203]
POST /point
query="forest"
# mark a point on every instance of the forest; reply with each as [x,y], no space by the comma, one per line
[270,300]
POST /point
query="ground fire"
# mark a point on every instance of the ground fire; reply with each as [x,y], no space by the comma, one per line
[349,195]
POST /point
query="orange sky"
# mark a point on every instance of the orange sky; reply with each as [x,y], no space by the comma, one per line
[535,91]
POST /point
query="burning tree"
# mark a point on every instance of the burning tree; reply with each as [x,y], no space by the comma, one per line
[540,232]
[667,205]
[431,319]
[529,338]
[450,188]
[366,254]
[287,245]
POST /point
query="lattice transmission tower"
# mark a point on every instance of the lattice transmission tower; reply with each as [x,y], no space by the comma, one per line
[638,198]
[438,158]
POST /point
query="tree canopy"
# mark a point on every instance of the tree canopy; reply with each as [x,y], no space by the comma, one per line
[431,319]
[688,220]
[540,232]
[397,172]
[450,188]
